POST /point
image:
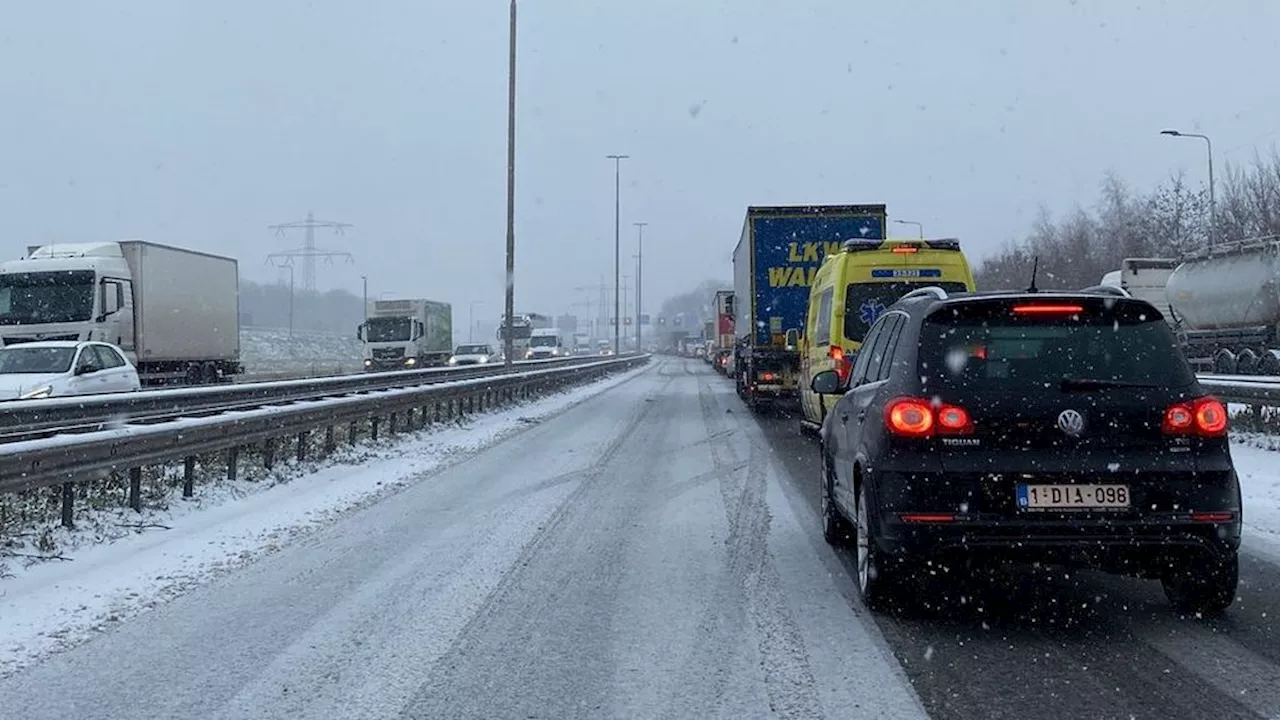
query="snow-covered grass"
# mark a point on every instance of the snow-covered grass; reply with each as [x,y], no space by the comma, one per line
[1257,460]
[117,563]
[269,351]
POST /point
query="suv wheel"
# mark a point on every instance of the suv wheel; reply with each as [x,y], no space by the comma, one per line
[1203,584]
[879,577]
[835,528]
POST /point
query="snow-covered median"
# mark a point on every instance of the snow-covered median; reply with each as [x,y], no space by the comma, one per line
[123,562]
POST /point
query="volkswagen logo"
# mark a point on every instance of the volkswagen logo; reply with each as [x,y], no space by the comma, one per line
[1071,422]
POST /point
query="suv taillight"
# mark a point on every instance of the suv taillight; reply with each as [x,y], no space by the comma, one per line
[844,363]
[1203,417]
[913,417]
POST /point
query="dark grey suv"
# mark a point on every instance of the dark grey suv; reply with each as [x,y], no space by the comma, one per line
[1037,427]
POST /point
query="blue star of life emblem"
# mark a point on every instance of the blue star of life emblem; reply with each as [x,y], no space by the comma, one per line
[870,311]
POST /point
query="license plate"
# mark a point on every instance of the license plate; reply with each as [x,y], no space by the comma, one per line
[1073,497]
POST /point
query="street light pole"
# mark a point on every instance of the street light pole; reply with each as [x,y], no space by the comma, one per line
[919,226]
[364,279]
[1213,204]
[290,266]
[471,320]
[617,249]
[508,347]
[639,269]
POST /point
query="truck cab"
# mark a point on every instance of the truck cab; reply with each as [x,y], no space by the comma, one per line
[545,343]
[173,312]
[406,335]
[81,291]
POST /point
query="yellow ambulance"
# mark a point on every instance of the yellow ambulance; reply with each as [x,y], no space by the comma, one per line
[850,291]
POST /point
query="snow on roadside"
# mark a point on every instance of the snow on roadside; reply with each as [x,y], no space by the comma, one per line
[49,607]
[1256,459]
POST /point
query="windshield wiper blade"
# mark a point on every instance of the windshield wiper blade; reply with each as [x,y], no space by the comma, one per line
[1069,384]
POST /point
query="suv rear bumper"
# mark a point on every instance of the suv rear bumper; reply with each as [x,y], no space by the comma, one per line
[1172,516]
[1118,544]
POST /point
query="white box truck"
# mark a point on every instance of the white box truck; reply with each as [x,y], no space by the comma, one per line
[174,312]
[407,334]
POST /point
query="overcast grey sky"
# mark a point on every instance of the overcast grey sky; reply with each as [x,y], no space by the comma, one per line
[198,124]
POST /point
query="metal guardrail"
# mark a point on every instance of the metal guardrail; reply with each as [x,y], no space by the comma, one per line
[1262,391]
[24,419]
[67,459]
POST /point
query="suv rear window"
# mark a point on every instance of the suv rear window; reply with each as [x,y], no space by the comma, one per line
[988,345]
[864,303]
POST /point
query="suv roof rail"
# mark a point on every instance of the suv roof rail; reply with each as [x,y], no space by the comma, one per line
[1107,290]
[930,291]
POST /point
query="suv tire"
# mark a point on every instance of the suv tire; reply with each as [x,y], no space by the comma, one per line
[836,530]
[1203,584]
[880,578]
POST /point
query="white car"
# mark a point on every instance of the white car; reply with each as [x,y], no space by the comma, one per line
[473,355]
[33,370]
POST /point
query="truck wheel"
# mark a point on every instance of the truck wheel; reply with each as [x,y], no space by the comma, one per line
[1270,364]
[1224,363]
[210,372]
[194,376]
[1247,362]
[1203,584]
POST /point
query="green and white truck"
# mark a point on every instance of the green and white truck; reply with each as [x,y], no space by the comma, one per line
[407,334]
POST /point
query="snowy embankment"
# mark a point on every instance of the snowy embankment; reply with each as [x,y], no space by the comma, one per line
[1257,461]
[270,351]
[117,563]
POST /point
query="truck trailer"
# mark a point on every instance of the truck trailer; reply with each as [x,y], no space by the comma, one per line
[779,252]
[1225,304]
[174,312]
[407,334]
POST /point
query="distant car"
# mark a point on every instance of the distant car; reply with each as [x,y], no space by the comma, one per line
[1055,428]
[29,371]
[473,355]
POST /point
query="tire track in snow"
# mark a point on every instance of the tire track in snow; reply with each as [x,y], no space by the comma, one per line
[783,659]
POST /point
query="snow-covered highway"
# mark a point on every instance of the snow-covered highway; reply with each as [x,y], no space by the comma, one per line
[651,551]
[634,556]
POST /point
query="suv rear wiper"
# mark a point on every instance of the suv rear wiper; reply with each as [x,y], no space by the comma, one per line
[1069,384]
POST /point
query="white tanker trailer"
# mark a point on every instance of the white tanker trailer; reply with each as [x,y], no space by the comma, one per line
[1225,303]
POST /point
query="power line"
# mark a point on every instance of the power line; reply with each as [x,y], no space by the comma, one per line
[309,252]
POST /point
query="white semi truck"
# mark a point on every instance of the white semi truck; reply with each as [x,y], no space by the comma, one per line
[407,334]
[174,312]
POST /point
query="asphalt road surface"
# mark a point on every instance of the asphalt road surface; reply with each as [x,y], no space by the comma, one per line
[632,557]
[653,552]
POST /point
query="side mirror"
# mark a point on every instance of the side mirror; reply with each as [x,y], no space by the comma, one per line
[360,331]
[827,382]
[86,369]
[793,339]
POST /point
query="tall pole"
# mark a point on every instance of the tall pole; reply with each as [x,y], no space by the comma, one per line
[508,346]
[919,226]
[617,250]
[639,269]
[1213,203]
[472,320]
[290,301]
[364,295]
